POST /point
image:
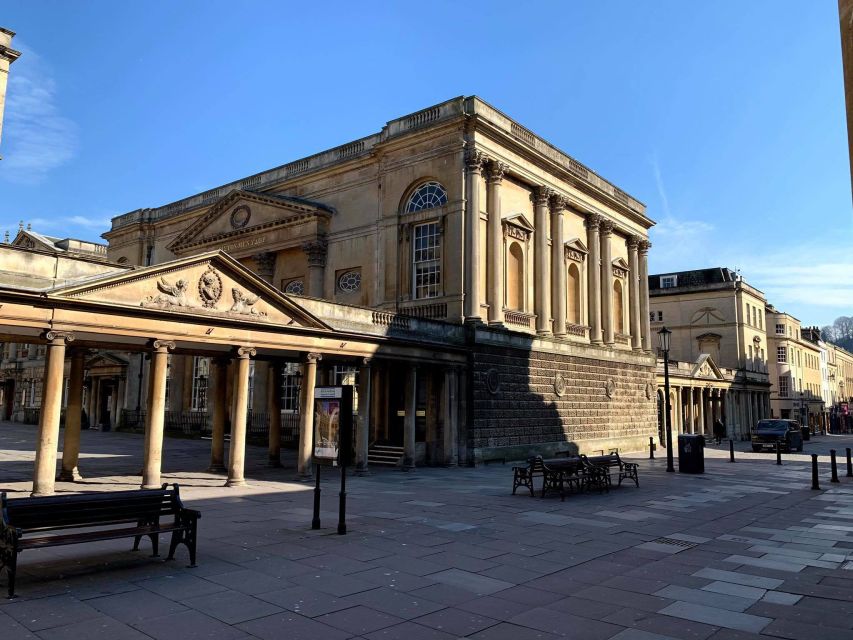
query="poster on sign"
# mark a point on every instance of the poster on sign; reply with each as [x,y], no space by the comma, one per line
[333,424]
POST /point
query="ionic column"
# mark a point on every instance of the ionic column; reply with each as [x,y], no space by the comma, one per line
[634,299]
[411,404]
[44,472]
[306,414]
[451,417]
[473,164]
[274,411]
[220,412]
[364,403]
[73,415]
[266,266]
[645,325]
[542,276]
[316,253]
[558,265]
[607,281]
[593,275]
[494,239]
[155,413]
[237,452]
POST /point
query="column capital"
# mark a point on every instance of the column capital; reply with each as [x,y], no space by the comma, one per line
[161,346]
[606,227]
[266,263]
[474,160]
[593,220]
[540,195]
[557,202]
[58,337]
[316,251]
[633,242]
[366,363]
[313,357]
[495,170]
[644,246]
[244,353]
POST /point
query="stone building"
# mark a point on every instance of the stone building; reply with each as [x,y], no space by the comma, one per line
[7,56]
[718,353]
[454,230]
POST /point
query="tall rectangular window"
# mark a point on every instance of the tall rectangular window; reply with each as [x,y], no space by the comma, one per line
[783,386]
[201,377]
[290,377]
[781,354]
[780,329]
[426,261]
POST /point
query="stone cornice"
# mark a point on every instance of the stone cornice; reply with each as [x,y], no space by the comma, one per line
[475,113]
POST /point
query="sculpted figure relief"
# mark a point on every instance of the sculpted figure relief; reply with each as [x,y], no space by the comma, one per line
[210,288]
[243,303]
[171,295]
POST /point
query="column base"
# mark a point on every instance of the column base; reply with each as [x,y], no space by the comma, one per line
[473,320]
[216,468]
[408,465]
[42,494]
[69,476]
[304,477]
[151,486]
[236,482]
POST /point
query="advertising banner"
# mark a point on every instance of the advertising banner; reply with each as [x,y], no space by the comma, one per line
[333,424]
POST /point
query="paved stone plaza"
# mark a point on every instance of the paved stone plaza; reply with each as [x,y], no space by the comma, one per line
[448,553]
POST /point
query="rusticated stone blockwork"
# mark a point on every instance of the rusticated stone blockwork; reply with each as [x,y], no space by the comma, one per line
[527,402]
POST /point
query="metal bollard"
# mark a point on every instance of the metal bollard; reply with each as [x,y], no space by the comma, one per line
[731,450]
[652,448]
[778,453]
[849,464]
[815,483]
[834,466]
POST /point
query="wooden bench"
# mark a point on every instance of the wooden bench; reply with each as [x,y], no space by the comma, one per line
[613,461]
[569,474]
[523,476]
[33,523]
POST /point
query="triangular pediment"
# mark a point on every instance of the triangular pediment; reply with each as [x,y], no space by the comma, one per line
[105,359]
[520,221]
[620,263]
[706,368]
[245,220]
[211,285]
[576,244]
[29,240]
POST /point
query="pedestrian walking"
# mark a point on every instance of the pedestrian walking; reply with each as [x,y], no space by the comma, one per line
[719,430]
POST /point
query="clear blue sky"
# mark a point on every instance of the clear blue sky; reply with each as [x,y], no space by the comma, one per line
[726,118]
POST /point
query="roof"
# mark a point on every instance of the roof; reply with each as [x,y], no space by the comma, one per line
[695,277]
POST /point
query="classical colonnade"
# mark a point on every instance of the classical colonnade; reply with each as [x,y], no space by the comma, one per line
[550,264]
[236,364]
[695,408]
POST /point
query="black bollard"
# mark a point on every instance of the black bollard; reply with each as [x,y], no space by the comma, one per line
[833,465]
[815,483]
[849,464]
[652,448]
[778,453]
[315,522]
[731,450]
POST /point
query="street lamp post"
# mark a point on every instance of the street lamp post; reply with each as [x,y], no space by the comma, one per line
[665,334]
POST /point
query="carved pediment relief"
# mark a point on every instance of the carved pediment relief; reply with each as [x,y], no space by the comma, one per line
[28,240]
[518,227]
[575,250]
[244,221]
[212,285]
[706,368]
[620,268]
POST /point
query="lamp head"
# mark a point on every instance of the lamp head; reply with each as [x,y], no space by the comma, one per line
[664,335]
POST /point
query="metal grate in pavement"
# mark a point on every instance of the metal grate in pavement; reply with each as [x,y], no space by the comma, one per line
[684,544]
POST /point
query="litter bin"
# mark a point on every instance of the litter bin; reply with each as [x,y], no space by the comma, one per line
[691,453]
[807,433]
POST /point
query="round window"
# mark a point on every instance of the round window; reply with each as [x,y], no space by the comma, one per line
[350,281]
[296,287]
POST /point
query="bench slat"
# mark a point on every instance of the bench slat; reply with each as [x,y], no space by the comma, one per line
[92,536]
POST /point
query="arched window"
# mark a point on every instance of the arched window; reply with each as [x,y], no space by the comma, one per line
[618,307]
[515,277]
[573,300]
[427,196]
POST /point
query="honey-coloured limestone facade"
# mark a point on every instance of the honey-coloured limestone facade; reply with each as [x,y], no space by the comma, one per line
[486,293]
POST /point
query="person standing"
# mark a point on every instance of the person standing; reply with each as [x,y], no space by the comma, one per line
[719,430]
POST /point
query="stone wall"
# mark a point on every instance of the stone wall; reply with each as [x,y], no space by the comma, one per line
[530,401]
